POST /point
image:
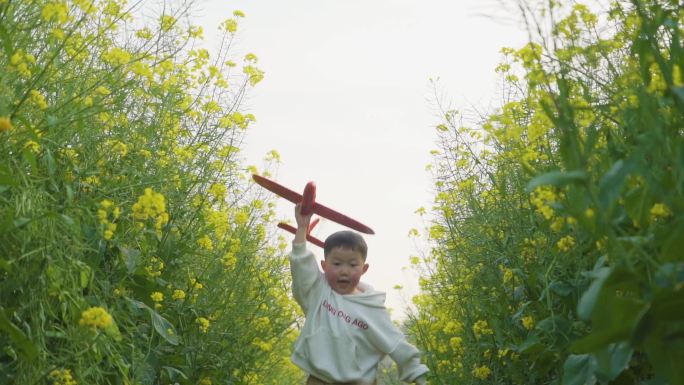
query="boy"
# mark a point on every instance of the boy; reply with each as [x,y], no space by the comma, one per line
[347,329]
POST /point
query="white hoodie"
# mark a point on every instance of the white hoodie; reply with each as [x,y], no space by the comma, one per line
[345,336]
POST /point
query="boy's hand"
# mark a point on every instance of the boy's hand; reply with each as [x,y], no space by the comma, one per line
[302,224]
[422,380]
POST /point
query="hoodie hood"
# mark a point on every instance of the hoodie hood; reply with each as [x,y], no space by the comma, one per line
[369,296]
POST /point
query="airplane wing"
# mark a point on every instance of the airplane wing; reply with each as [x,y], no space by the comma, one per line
[309,238]
[278,189]
[318,208]
[340,218]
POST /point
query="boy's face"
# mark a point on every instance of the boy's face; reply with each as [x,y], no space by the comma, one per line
[343,269]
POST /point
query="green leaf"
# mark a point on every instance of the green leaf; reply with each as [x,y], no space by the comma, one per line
[132,259]
[5,265]
[674,245]
[21,222]
[50,162]
[611,183]
[590,297]
[27,349]
[562,288]
[164,328]
[579,370]
[612,360]
[557,178]
[530,345]
[679,91]
[161,325]
[174,374]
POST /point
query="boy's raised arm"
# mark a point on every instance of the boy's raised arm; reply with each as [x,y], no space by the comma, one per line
[302,224]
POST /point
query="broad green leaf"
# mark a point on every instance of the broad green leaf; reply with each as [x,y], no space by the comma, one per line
[590,297]
[530,345]
[557,178]
[579,370]
[612,360]
[161,325]
[132,259]
[611,183]
[164,328]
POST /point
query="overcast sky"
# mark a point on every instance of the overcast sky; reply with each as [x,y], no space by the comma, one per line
[347,102]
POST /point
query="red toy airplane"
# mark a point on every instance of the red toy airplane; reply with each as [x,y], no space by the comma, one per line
[309,205]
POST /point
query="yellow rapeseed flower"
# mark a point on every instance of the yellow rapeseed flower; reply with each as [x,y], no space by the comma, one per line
[61,377]
[566,243]
[32,146]
[481,328]
[481,372]
[230,25]
[96,318]
[57,12]
[659,210]
[38,99]
[178,295]
[5,124]
[528,322]
[157,296]
[203,324]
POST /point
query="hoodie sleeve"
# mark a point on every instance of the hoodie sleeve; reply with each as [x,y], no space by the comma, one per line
[305,274]
[407,358]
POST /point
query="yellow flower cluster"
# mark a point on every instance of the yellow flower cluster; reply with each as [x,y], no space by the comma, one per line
[262,345]
[5,124]
[155,268]
[61,377]
[566,243]
[96,318]
[659,210]
[204,381]
[20,62]
[218,191]
[481,372]
[117,56]
[32,146]
[151,205]
[229,25]
[541,197]
[255,75]
[106,215]
[57,12]
[528,322]
[38,99]
[481,328]
[178,295]
[157,296]
[203,324]
[205,243]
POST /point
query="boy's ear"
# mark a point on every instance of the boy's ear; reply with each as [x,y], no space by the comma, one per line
[365,268]
[324,264]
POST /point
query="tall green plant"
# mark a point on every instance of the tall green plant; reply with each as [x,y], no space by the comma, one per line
[132,250]
[559,217]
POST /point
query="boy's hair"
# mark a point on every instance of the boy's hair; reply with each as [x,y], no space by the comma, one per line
[347,240]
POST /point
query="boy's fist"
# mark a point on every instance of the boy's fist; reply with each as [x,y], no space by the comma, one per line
[302,220]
